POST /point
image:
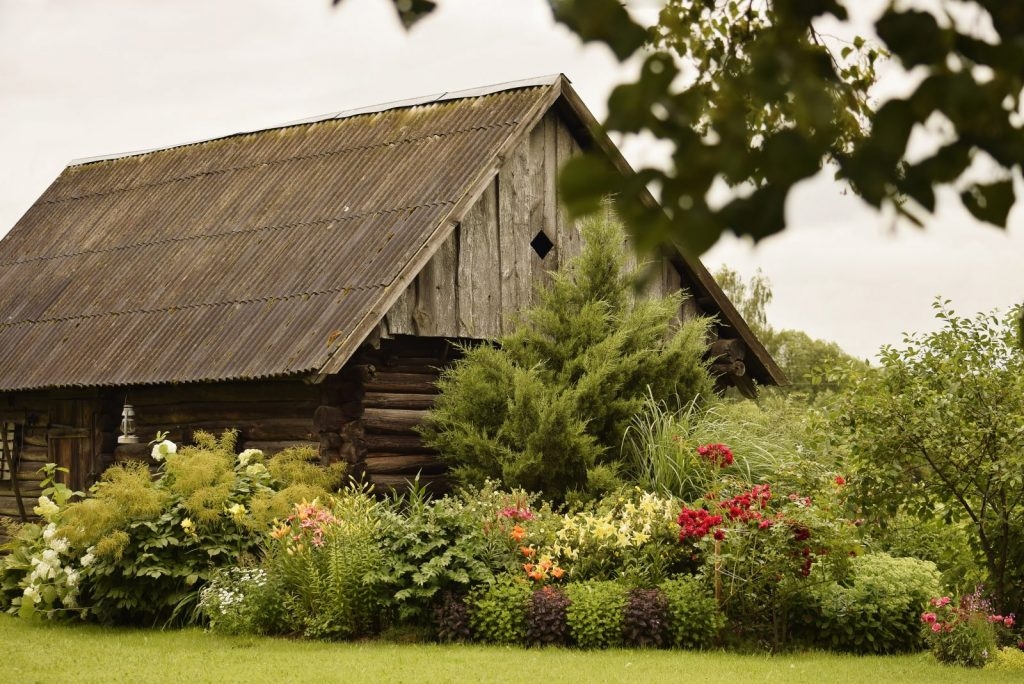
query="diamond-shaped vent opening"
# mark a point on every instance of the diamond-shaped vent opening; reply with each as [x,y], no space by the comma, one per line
[541,244]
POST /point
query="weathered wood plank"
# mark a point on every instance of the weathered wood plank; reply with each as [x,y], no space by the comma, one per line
[414,383]
[390,464]
[539,268]
[551,211]
[397,444]
[398,320]
[399,400]
[436,311]
[568,243]
[394,421]
[479,273]
[515,199]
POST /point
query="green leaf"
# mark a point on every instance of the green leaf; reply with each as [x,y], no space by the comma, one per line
[990,202]
[605,21]
[584,182]
[914,36]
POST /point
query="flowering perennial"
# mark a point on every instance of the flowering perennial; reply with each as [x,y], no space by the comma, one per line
[717,454]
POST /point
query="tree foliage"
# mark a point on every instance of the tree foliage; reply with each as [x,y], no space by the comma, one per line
[812,365]
[555,398]
[940,429]
[748,92]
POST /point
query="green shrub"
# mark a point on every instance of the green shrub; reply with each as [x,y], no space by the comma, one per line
[1010,658]
[554,399]
[140,548]
[970,643]
[242,601]
[692,616]
[497,612]
[453,544]
[876,609]
[595,613]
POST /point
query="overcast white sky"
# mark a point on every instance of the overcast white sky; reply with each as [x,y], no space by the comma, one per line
[92,77]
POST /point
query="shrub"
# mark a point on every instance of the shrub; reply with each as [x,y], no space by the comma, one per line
[242,601]
[595,613]
[546,617]
[451,618]
[452,544]
[693,619]
[963,632]
[875,609]
[644,619]
[322,565]
[1009,658]
[143,544]
[497,612]
[555,397]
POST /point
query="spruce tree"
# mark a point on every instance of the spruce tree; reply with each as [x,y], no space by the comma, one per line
[554,398]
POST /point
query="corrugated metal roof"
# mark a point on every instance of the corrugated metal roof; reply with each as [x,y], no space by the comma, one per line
[244,257]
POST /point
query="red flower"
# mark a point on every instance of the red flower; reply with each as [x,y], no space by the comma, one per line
[719,535]
[840,480]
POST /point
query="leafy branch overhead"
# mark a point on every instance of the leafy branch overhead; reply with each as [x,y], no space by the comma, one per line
[747,92]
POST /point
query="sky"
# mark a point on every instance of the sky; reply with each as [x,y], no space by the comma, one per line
[94,77]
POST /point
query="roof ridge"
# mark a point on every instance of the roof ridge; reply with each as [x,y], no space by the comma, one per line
[345,114]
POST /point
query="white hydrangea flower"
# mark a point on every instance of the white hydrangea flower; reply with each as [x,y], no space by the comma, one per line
[248,456]
[49,531]
[163,449]
[89,558]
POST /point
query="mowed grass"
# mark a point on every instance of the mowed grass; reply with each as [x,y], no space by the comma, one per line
[46,652]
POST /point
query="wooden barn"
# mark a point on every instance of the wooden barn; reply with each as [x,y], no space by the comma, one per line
[302,284]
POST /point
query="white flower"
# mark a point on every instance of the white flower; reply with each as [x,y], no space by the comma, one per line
[46,508]
[71,577]
[32,594]
[255,470]
[60,545]
[90,557]
[249,455]
[162,450]
[50,557]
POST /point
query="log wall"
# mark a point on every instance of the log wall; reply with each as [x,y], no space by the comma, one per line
[380,398]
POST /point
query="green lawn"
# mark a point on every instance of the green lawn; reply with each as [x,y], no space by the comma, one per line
[44,652]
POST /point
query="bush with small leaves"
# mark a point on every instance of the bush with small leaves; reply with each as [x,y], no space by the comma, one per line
[693,618]
[497,613]
[595,613]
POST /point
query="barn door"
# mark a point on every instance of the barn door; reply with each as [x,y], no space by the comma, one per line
[71,442]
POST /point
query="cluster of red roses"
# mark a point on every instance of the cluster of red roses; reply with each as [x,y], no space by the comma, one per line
[718,454]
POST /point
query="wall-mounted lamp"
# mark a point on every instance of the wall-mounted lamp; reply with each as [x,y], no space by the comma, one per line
[127,435]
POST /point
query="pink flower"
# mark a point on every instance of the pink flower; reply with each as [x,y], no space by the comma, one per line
[1008,621]
[936,626]
[929,618]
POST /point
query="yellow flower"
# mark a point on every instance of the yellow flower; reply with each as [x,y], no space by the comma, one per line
[188,527]
[237,511]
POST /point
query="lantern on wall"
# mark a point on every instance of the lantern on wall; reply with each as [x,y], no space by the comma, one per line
[127,435]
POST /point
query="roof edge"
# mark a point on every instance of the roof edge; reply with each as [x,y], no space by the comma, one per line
[536,81]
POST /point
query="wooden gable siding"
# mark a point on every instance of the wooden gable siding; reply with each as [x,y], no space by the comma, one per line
[487,271]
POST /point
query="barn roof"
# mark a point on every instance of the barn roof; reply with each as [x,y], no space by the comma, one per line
[257,255]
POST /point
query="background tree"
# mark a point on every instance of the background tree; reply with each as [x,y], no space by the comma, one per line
[939,430]
[812,365]
[765,103]
[554,399]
